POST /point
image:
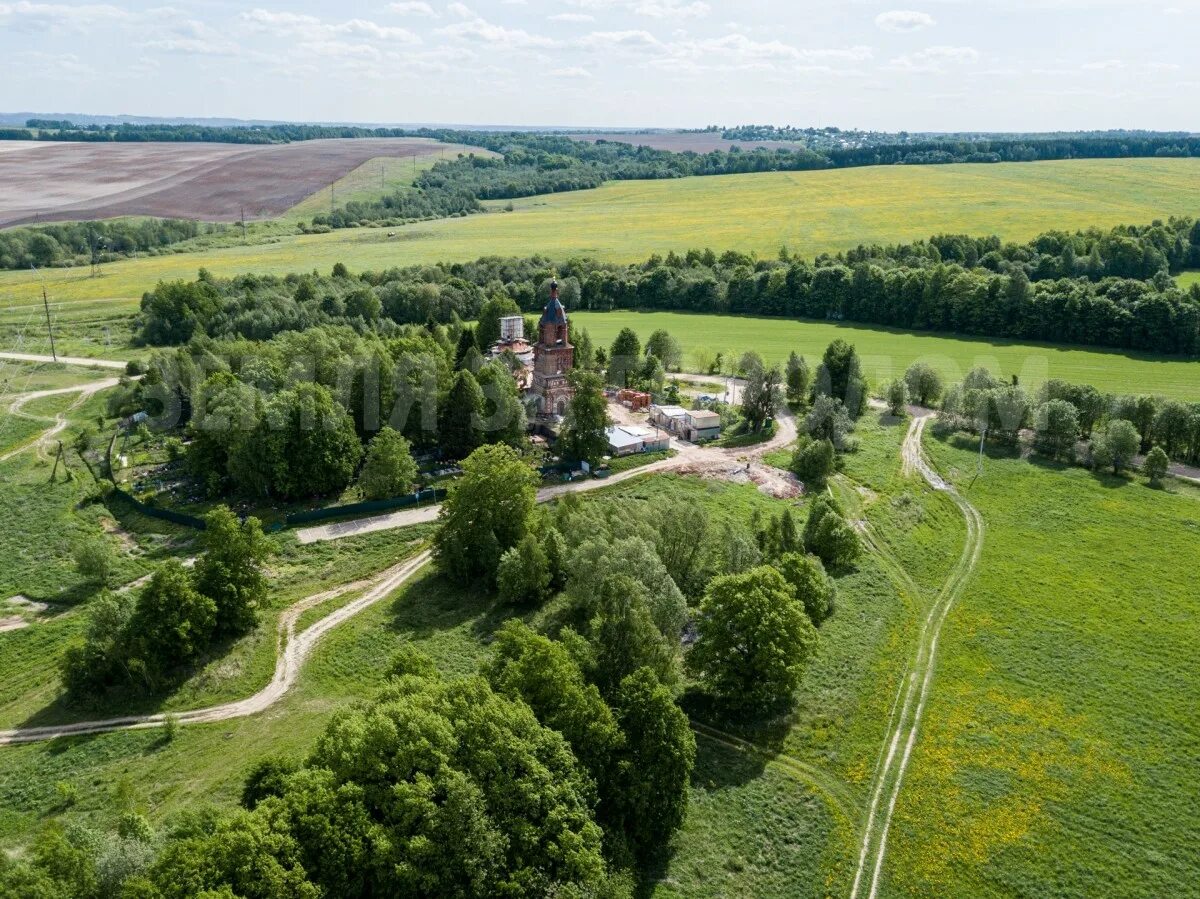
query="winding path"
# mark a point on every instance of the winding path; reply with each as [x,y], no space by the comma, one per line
[914,688]
[60,420]
[294,650]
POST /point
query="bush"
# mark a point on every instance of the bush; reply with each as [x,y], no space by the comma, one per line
[813,462]
[924,383]
[829,536]
[1115,446]
[94,559]
[1156,466]
[897,397]
[813,587]
[524,574]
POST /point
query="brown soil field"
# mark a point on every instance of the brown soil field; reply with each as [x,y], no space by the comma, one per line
[680,142]
[49,181]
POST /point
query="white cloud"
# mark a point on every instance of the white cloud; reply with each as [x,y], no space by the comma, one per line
[572,17]
[934,59]
[486,32]
[192,37]
[413,8]
[311,29]
[341,50]
[654,9]
[612,40]
[904,20]
[671,9]
[26,16]
[461,10]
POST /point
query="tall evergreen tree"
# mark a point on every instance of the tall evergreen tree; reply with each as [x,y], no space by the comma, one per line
[460,420]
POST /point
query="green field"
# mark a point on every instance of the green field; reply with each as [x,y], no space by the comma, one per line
[1187,279]
[809,212]
[1058,747]
[887,353]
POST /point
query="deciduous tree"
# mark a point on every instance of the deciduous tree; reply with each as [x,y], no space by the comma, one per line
[753,641]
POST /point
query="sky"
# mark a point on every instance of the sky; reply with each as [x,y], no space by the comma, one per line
[935,65]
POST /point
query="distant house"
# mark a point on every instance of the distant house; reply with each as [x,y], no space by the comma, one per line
[626,440]
[701,424]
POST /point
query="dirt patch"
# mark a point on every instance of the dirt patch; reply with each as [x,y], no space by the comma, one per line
[13,623]
[771,481]
[209,182]
[110,526]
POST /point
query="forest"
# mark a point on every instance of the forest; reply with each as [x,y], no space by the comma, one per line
[1095,288]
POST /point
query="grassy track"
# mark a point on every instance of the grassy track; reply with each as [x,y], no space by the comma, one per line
[1056,754]
[810,212]
[887,353]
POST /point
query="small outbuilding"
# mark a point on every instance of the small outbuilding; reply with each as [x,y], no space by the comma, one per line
[627,440]
[702,424]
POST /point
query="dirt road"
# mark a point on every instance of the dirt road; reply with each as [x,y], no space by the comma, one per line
[905,723]
[60,420]
[65,360]
[690,459]
[293,651]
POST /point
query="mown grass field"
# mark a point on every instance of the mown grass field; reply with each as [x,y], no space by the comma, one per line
[1058,749]
[886,353]
[809,212]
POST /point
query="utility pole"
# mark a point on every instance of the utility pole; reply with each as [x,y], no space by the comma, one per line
[243,224]
[46,307]
[49,328]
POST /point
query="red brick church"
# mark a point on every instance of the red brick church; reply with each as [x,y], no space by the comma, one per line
[553,357]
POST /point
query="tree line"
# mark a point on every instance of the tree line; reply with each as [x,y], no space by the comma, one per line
[1097,288]
[78,243]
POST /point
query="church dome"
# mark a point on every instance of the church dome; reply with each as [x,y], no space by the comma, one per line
[554,313]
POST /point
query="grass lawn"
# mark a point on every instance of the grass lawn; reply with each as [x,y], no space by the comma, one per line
[887,353]
[1058,748]
[1187,279]
[809,212]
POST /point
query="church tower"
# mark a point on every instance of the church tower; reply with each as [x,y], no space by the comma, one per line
[553,357]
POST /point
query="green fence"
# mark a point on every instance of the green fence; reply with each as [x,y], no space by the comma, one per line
[188,521]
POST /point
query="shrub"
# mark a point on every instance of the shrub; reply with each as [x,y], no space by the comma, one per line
[813,461]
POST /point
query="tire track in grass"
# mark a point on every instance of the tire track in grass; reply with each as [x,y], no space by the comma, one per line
[902,734]
[835,791]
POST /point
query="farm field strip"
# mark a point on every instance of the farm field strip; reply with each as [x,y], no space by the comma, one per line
[211,182]
[808,212]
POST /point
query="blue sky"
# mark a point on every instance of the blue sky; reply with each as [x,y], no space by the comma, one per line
[938,65]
